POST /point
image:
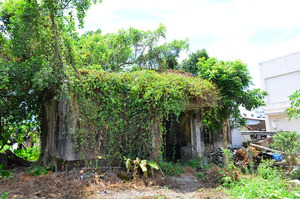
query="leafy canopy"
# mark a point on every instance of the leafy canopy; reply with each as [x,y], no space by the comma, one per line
[234,81]
[35,50]
[128,48]
[190,64]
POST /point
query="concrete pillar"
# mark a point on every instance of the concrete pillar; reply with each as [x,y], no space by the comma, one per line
[196,135]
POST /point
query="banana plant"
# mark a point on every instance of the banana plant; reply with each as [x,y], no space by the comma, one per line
[137,164]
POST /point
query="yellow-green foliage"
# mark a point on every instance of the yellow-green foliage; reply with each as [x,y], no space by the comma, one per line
[117,111]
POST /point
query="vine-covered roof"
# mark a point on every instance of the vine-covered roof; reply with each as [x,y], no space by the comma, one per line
[157,85]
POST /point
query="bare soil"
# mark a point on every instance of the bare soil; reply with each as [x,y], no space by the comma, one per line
[107,185]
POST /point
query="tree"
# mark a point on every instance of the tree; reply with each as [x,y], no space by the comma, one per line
[233,80]
[190,64]
[36,49]
[128,48]
[294,110]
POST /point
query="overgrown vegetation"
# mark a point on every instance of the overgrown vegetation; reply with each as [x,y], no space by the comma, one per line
[268,181]
[234,81]
[4,173]
[129,48]
[294,110]
[289,144]
[120,113]
[137,165]
[43,59]
[171,169]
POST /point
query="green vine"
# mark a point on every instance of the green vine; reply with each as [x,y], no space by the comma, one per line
[117,111]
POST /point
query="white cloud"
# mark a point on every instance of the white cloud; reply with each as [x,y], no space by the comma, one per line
[224,28]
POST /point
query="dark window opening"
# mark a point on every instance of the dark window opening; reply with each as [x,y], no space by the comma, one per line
[207,137]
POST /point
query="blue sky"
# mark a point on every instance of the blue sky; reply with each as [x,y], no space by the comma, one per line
[250,30]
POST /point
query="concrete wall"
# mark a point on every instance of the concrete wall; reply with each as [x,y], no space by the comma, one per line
[280,77]
[280,123]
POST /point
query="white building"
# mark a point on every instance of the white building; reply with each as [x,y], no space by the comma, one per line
[255,113]
[280,77]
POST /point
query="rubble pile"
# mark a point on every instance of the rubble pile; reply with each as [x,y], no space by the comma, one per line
[216,156]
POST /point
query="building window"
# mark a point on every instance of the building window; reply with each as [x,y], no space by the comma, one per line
[244,114]
[252,115]
[207,137]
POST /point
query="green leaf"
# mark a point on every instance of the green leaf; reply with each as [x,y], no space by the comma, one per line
[5,173]
[153,165]
[143,165]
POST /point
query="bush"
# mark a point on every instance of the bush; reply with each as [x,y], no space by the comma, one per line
[296,174]
[170,168]
[4,173]
[266,170]
[38,170]
[2,196]
[30,153]
[258,187]
[289,143]
[267,183]
[229,174]
[197,163]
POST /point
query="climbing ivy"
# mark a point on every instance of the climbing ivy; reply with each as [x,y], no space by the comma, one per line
[118,112]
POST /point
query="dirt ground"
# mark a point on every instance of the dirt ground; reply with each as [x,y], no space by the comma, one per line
[107,185]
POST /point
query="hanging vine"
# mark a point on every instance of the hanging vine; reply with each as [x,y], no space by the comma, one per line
[117,111]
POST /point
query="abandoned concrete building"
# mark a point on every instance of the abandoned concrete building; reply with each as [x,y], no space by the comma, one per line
[185,137]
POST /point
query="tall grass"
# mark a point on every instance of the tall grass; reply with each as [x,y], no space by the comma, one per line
[269,182]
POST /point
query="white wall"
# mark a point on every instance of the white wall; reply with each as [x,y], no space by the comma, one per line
[280,123]
[281,78]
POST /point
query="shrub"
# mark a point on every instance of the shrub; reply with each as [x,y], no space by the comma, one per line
[2,196]
[170,168]
[258,187]
[229,174]
[296,174]
[266,170]
[197,163]
[38,170]
[289,143]
[200,175]
[4,173]
[30,153]
[268,182]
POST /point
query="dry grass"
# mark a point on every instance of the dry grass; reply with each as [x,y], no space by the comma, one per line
[105,185]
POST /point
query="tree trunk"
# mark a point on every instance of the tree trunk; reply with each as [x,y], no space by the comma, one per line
[225,138]
[58,128]
[156,142]
[49,115]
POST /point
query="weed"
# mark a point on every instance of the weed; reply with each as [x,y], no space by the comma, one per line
[266,170]
[296,174]
[289,143]
[170,168]
[258,187]
[2,196]
[229,174]
[38,170]
[4,173]
[197,163]
[165,188]
[268,182]
[200,175]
